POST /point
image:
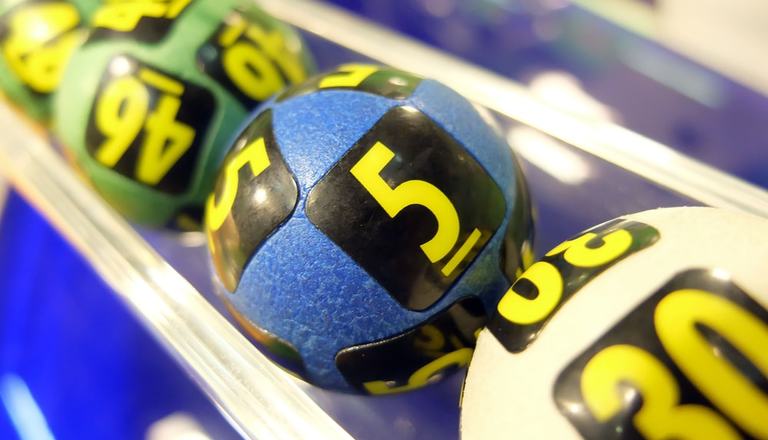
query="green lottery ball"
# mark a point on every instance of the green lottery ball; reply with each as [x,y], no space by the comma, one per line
[150,100]
[654,325]
[37,38]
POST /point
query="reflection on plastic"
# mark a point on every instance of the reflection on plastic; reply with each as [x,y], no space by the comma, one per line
[548,154]
[24,412]
[177,426]
[562,90]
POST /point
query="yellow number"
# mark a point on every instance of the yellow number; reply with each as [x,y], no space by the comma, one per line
[254,155]
[250,63]
[124,16]
[251,71]
[273,43]
[578,254]
[660,417]
[367,171]
[520,310]
[40,41]
[120,114]
[349,75]
[166,141]
[676,317]
[420,378]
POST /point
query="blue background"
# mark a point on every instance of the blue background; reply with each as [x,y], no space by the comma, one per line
[67,342]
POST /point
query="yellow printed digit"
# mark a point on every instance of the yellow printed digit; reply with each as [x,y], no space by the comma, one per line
[350,75]
[676,318]
[274,45]
[520,310]
[459,358]
[254,155]
[367,171]
[251,71]
[124,16]
[120,114]
[578,254]
[165,143]
[660,417]
[250,63]
[38,58]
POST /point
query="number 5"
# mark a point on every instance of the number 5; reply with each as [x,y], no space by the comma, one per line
[255,155]
[412,192]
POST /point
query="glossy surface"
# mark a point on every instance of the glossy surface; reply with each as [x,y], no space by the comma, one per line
[557,276]
[645,331]
[426,353]
[404,144]
[404,207]
[254,194]
[147,109]
[665,342]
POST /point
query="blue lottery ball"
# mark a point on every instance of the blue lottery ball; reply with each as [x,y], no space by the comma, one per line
[364,224]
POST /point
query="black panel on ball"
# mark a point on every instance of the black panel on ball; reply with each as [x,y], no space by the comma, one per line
[262,202]
[233,39]
[517,247]
[389,365]
[516,337]
[638,332]
[413,153]
[195,107]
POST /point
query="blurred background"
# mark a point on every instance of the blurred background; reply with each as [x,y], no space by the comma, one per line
[685,73]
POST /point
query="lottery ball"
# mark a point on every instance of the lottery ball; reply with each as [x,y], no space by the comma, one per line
[362,225]
[653,325]
[150,100]
[37,38]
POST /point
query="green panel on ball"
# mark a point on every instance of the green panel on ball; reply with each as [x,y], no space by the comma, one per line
[37,38]
[151,100]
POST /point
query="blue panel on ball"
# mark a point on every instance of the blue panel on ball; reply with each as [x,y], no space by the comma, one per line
[299,281]
[307,291]
[315,130]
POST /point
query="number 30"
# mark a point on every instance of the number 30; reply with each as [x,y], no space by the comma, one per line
[660,416]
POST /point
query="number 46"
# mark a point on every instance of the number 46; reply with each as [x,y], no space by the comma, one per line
[122,112]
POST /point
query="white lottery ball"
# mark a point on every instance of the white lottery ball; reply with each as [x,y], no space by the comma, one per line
[653,325]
